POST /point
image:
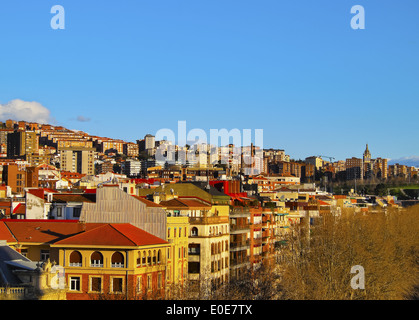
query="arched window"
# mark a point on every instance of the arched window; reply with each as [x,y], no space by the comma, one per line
[117,260]
[212,248]
[168,232]
[144,259]
[154,257]
[139,259]
[159,256]
[194,232]
[75,259]
[96,259]
[219,247]
[149,258]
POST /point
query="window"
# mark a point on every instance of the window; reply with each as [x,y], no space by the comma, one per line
[44,255]
[168,232]
[76,212]
[159,256]
[75,259]
[154,257]
[96,284]
[143,259]
[75,283]
[149,282]
[117,285]
[117,260]
[159,281]
[149,258]
[139,284]
[139,259]
[59,212]
[180,232]
[96,260]
[194,232]
[194,267]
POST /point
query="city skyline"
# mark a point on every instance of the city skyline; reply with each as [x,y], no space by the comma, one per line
[296,70]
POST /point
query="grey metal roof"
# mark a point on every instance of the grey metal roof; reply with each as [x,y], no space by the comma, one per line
[11,260]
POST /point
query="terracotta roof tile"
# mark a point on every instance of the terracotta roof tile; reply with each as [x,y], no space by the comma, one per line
[148,203]
[69,197]
[123,234]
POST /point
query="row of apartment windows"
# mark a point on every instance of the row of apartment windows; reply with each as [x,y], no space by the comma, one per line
[212,231]
[177,232]
[219,247]
[218,265]
[148,258]
[117,284]
[181,253]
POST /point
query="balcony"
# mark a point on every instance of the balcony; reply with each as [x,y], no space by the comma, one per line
[96,265]
[208,220]
[74,264]
[237,263]
[239,245]
[239,212]
[117,265]
[234,228]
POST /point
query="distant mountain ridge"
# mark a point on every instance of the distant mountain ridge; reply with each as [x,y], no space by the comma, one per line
[407,161]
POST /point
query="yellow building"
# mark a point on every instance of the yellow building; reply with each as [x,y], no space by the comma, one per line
[113,261]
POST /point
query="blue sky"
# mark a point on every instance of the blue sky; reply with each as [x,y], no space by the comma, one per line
[295,69]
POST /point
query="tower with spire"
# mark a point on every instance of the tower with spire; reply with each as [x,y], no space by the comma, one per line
[367,155]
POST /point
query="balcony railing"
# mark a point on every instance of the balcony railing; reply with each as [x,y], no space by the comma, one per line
[239,228]
[237,262]
[75,264]
[208,220]
[117,265]
[96,265]
[240,245]
[240,212]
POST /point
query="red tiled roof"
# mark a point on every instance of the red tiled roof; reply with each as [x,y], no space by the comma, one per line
[322,203]
[20,208]
[70,197]
[148,203]
[43,231]
[71,175]
[123,234]
[186,203]
[37,192]
[5,233]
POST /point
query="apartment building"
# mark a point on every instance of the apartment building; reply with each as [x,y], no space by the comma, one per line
[131,149]
[21,143]
[354,168]
[74,159]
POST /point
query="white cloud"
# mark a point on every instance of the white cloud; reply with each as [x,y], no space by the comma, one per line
[30,111]
[83,119]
